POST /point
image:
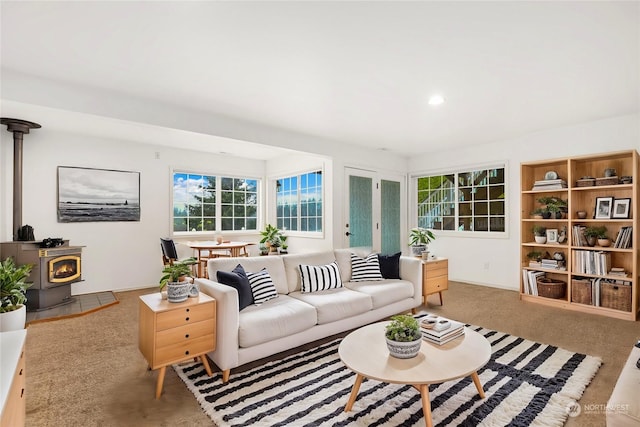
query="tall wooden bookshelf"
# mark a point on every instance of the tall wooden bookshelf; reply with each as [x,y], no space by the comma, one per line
[583,197]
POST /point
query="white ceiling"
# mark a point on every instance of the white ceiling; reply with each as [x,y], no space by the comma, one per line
[354,72]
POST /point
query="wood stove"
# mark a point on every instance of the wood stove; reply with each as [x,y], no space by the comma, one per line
[54,270]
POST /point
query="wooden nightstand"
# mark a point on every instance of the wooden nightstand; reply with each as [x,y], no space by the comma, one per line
[173,332]
[435,277]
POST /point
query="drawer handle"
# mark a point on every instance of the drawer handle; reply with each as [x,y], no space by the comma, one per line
[20,372]
[187,310]
[186,352]
[186,319]
[186,336]
[21,393]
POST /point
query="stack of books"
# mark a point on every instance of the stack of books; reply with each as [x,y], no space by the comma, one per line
[552,264]
[618,271]
[549,184]
[438,330]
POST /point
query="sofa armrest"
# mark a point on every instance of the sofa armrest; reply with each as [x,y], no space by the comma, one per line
[227,322]
[411,270]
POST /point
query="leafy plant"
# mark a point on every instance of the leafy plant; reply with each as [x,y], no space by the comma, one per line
[403,328]
[271,235]
[420,236]
[539,230]
[598,232]
[537,212]
[553,204]
[173,272]
[12,285]
[534,255]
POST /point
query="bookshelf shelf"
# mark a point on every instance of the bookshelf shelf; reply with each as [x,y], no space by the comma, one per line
[571,186]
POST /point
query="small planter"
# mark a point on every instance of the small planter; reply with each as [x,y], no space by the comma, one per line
[591,240]
[416,250]
[178,291]
[13,320]
[541,239]
[404,350]
[604,242]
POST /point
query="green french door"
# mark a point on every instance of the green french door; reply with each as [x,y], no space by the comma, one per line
[376,206]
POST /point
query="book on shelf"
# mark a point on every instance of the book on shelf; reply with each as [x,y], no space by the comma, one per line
[579,238]
[623,239]
[591,262]
[530,281]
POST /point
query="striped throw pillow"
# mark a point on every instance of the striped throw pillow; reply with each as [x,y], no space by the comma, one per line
[262,286]
[365,269]
[320,277]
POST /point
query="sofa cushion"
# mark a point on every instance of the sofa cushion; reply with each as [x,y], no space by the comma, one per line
[272,263]
[292,261]
[384,292]
[390,265]
[335,304]
[262,286]
[276,318]
[365,269]
[314,278]
[237,278]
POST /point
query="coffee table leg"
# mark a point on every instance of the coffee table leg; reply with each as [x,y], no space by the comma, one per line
[354,393]
[476,381]
[426,404]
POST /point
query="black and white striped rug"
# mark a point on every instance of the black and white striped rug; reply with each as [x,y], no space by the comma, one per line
[526,383]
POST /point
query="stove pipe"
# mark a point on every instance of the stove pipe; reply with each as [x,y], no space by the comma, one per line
[19,128]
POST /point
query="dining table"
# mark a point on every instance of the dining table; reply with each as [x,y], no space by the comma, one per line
[213,249]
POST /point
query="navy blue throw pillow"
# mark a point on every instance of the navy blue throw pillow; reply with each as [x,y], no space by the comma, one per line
[238,280]
[390,265]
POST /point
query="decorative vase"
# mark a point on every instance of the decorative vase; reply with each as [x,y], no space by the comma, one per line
[581,214]
[13,320]
[541,239]
[178,291]
[194,290]
[404,350]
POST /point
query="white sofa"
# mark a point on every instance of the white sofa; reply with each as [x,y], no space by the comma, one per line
[623,408]
[295,318]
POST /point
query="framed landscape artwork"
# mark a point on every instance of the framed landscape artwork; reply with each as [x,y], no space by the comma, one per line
[87,195]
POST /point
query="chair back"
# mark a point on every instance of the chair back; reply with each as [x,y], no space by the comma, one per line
[169,252]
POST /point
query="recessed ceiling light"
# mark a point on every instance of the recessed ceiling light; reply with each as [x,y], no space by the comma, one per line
[436,100]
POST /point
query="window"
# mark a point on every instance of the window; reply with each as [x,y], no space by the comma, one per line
[472,200]
[299,202]
[210,203]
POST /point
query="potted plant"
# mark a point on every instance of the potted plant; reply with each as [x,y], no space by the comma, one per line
[603,238]
[592,234]
[419,239]
[13,288]
[283,248]
[534,256]
[403,336]
[555,206]
[540,233]
[538,213]
[271,237]
[175,279]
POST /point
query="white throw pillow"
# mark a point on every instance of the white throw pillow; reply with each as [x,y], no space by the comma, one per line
[315,278]
[262,286]
[365,269]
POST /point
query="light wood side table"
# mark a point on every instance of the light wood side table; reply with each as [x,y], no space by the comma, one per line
[173,332]
[435,277]
[12,378]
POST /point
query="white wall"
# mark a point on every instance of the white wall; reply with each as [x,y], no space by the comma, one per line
[495,261]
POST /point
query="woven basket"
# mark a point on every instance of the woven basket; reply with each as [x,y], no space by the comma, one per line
[551,288]
[581,291]
[587,182]
[615,296]
[613,180]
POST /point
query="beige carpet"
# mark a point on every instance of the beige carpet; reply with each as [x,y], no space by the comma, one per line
[87,371]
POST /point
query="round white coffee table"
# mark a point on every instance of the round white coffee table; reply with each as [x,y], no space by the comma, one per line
[365,352]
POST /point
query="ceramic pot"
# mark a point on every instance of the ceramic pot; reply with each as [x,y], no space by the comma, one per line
[13,320]
[581,214]
[404,350]
[604,242]
[591,240]
[416,250]
[178,291]
[541,239]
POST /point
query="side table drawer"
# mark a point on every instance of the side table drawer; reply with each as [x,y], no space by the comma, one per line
[437,273]
[436,284]
[183,334]
[184,316]
[435,265]
[180,351]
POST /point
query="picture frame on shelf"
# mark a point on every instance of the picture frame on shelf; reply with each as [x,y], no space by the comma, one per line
[621,208]
[552,235]
[603,207]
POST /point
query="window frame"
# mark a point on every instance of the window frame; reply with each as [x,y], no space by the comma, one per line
[456,171]
[218,203]
[298,175]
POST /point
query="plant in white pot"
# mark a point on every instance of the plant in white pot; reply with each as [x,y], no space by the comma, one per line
[175,279]
[403,336]
[539,233]
[13,295]
[271,237]
[419,239]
